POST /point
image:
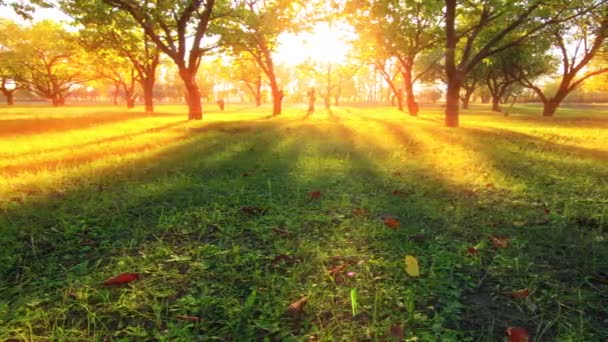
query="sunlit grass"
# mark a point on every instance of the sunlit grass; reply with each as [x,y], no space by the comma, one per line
[89,192]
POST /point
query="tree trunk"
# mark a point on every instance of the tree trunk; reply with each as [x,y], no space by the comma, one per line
[193,94]
[277,99]
[327,101]
[58,101]
[452,103]
[550,107]
[496,104]
[410,99]
[148,88]
[130,102]
[465,101]
[311,101]
[258,92]
[10,98]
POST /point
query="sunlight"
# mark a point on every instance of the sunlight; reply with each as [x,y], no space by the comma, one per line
[325,43]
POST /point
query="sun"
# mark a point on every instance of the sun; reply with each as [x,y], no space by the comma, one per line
[324,43]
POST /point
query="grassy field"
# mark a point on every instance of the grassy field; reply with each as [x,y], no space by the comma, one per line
[230,220]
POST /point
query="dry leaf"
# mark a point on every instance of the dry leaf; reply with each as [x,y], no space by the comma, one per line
[499,241]
[253,211]
[399,193]
[188,318]
[282,232]
[411,266]
[518,334]
[418,237]
[298,306]
[360,212]
[472,250]
[517,294]
[391,222]
[337,269]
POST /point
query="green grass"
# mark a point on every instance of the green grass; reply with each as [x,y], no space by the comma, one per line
[90,192]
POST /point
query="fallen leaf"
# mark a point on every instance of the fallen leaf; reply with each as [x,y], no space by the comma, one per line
[253,211]
[337,269]
[188,318]
[517,294]
[282,258]
[313,195]
[397,331]
[489,185]
[399,193]
[122,278]
[546,211]
[499,241]
[391,222]
[282,232]
[411,266]
[244,174]
[298,306]
[360,212]
[418,237]
[517,334]
[472,250]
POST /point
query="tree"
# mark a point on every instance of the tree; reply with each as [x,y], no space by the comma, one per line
[254,29]
[404,30]
[329,78]
[118,32]
[578,43]
[247,71]
[177,29]
[477,30]
[46,59]
[8,32]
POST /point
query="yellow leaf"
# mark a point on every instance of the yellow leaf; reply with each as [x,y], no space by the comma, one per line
[411,266]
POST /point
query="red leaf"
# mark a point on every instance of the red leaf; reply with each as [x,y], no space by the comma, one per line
[546,211]
[391,222]
[188,318]
[397,331]
[314,194]
[518,334]
[517,294]
[472,250]
[499,241]
[122,278]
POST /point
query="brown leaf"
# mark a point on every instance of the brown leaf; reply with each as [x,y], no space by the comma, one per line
[418,237]
[517,294]
[360,212]
[397,331]
[391,222]
[244,174]
[282,232]
[282,258]
[472,250]
[399,193]
[499,241]
[489,185]
[517,334]
[297,307]
[254,211]
[188,318]
[337,269]
[313,195]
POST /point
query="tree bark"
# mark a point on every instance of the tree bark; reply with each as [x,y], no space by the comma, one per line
[465,100]
[277,99]
[550,107]
[410,99]
[496,104]
[10,97]
[193,94]
[452,103]
[148,89]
